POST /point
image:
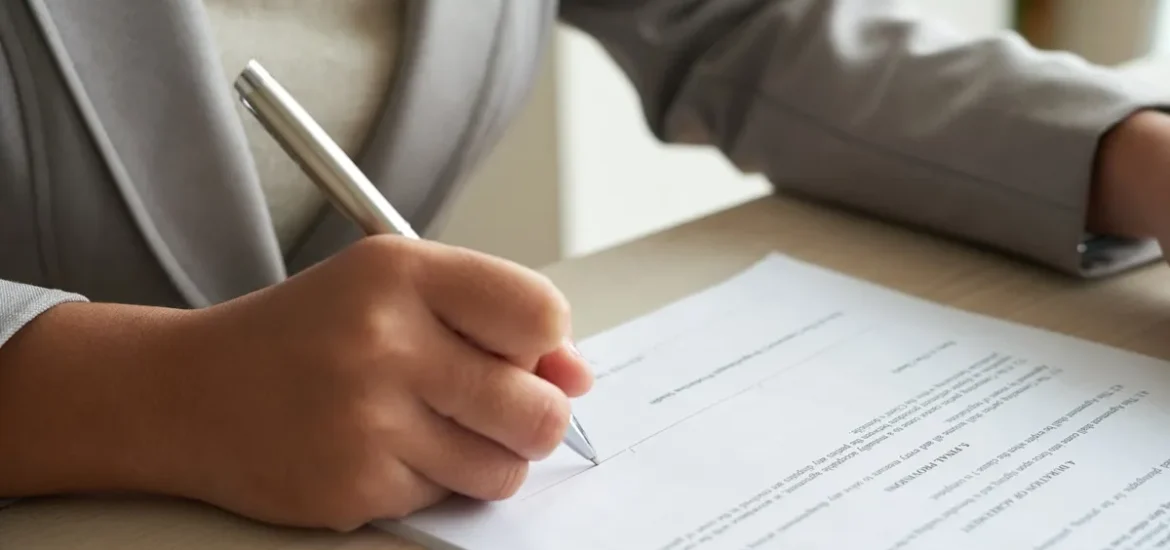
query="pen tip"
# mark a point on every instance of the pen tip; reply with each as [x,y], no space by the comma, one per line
[579,442]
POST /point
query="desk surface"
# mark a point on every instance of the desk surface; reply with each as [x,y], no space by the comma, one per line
[1131,311]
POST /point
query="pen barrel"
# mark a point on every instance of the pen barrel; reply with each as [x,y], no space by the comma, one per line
[318,155]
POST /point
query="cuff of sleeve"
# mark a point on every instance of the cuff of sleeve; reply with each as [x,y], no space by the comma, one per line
[20,303]
[1102,255]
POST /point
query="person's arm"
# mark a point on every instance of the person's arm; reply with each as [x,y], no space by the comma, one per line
[367,387]
[19,305]
[849,101]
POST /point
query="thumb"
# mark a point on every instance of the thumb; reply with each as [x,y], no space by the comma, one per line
[566,369]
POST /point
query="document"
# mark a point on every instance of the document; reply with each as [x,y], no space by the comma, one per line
[793,407]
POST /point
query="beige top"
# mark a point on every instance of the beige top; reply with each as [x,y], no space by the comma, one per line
[337,58]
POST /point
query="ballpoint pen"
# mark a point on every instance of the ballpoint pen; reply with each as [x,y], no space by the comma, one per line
[338,177]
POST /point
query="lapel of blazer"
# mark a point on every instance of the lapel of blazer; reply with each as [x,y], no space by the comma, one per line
[433,115]
[149,85]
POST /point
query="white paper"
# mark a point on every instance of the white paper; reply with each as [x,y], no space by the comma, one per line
[791,407]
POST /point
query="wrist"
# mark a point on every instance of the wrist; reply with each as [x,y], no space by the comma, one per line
[84,401]
[1131,185]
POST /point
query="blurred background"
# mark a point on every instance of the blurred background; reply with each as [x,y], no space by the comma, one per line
[580,172]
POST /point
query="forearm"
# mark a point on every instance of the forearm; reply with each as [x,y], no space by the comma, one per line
[853,103]
[1131,185]
[83,400]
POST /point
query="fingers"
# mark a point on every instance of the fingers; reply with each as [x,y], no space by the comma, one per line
[508,405]
[394,491]
[567,370]
[410,491]
[503,307]
[462,461]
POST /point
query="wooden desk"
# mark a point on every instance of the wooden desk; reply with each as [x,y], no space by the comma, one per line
[1130,311]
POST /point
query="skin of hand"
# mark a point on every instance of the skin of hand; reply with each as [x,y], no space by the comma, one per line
[369,386]
[1131,187]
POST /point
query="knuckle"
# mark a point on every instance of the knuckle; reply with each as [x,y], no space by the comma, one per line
[394,259]
[372,331]
[343,524]
[457,389]
[363,491]
[548,311]
[538,305]
[358,406]
[378,488]
[405,495]
[360,329]
[551,423]
[510,478]
[399,508]
[346,504]
[373,252]
[380,246]
[398,350]
[403,506]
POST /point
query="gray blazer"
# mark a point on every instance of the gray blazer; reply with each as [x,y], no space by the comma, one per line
[124,176]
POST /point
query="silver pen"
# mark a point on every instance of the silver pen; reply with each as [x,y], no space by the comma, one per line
[338,177]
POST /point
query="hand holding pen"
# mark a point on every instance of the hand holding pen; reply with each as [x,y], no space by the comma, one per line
[372,384]
[339,178]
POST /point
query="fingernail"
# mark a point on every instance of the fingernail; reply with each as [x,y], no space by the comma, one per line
[573,348]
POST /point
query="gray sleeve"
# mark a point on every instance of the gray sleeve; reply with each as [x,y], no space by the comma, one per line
[19,304]
[855,103]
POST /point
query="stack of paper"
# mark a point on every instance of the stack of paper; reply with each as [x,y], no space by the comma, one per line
[791,407]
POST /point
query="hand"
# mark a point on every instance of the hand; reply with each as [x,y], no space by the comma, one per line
[1131,188]
[367,387]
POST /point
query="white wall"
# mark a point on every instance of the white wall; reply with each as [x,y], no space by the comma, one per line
[620,183]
